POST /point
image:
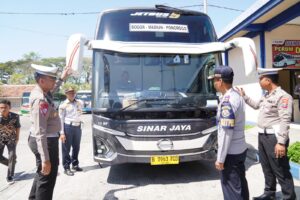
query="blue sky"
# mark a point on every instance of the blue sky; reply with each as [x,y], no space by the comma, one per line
[48,34]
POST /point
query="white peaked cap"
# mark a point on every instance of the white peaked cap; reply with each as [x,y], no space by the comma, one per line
[268,71]
[48,71]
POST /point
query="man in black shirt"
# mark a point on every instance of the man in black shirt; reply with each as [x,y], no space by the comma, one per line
[9,136]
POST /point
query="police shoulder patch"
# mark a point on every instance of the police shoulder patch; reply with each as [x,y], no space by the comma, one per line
[44,107]
[284,102]
[227,117]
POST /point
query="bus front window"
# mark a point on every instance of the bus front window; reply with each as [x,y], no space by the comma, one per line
[168,79]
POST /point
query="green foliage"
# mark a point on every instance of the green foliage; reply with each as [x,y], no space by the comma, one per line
[85,86]
[69,84]
[25,72]
[294,152]
[17,79]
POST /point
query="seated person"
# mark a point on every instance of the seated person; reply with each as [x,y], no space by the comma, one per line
[125,83]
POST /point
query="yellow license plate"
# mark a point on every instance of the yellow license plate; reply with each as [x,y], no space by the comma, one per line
[164,160]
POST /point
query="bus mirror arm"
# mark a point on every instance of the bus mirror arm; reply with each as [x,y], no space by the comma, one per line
[74,55]
[249,53]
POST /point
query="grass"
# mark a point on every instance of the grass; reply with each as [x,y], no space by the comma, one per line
[249,126]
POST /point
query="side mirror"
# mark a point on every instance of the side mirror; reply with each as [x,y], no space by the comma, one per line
[74,57]
[249,53]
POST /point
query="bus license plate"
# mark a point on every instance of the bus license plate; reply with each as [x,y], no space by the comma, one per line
[164,160]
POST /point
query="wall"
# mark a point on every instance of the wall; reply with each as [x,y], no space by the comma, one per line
[250,83]
[285,32]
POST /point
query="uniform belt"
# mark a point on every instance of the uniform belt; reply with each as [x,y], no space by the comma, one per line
[73,123]
[269,131]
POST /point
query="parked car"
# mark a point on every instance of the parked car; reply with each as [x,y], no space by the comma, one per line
[86,97]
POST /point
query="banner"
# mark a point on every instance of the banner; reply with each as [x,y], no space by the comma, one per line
[286,53]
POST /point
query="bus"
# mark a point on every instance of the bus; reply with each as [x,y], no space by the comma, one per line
[285,59]
[151,99]
[86,97]
[25,103]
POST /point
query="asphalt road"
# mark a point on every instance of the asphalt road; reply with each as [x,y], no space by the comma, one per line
[195,180]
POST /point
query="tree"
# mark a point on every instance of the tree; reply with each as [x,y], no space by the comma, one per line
[31,56]
[18,79]
[87,68]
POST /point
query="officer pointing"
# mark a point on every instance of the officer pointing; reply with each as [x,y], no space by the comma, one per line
[44,130]
[273,122]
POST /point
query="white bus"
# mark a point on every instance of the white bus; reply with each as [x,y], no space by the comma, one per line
[285,59]
[151,99]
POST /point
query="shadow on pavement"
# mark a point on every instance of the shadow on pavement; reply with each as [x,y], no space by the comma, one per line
[20,176]
[92,167]
[145,174]
[111,194]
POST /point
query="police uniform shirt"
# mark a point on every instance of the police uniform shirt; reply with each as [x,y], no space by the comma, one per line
[231,123]
[44,119]
[275,112]
[70,111]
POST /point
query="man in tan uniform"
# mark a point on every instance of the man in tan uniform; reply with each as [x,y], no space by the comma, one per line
[44,130]
[273,122]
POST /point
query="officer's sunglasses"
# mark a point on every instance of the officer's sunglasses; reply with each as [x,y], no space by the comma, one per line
[52,78]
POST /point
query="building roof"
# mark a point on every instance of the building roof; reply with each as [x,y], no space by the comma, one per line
[14,90]
[263,15]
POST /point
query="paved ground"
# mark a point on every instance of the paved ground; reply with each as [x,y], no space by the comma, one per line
[195,180]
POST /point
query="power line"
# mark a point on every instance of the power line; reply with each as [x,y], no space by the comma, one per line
[34,31]
[215,6]
[97,12]
[49,13]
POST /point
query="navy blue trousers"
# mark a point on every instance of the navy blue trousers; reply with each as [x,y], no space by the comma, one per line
[275,168]
[43,185]
[233,177]
[73,138]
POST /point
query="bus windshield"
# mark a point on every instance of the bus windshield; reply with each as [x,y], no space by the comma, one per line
[176,80]
[145,25]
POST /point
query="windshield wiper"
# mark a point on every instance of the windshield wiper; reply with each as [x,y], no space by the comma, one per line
[176,10]
[145,101]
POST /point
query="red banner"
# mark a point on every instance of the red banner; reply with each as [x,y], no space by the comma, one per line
[286,53]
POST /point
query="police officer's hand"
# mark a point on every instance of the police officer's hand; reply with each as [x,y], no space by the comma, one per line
[280,150]
[46,168]
[219,166]
[62,137]
[241,91]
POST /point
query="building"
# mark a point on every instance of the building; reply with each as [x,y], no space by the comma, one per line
[274,25]
[14,93]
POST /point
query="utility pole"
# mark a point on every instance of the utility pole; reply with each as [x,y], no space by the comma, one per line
[205,6]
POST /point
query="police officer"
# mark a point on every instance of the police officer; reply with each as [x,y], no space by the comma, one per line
[232,146]
[45,126]
[273,122]
[70,111]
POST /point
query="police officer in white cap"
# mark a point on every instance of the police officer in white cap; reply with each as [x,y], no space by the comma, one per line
[273,122]
[232,147]
[44,130]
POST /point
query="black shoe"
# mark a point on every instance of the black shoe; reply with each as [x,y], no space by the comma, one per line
[68,172]
[265,196]
[77,168]
[10,180]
